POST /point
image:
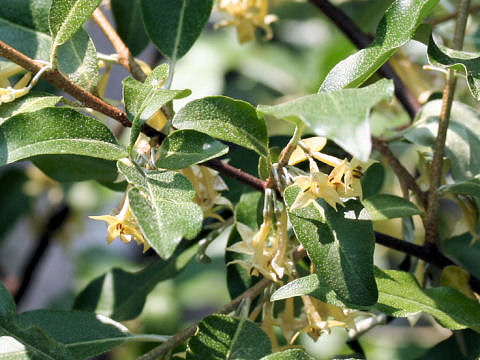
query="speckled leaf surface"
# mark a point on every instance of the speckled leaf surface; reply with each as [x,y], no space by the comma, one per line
[183,148]
[225,119]
[83,333]
[174,25]
[162,203]
[400,295]
[342,115]
[467,63]
[33,339]
[341,249]
[397,26]
[222,337]
[51,131]
[24,26]
[463,136]
[66,17]
[129,25]
[385,206]
[290,354]
[121,295]
[31,102]
[469,187]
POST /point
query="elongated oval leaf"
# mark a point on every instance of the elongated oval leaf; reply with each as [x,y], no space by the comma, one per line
[342,116]
[383,206]
[225,337]
[129,25]
[174,25]
[183,148]
[397,26]
[31,102]
[66,17]
[51,131]
[225,119]
[161,201]
[401,295]
[466,62]
[341,249]
[121,295]
[469,187]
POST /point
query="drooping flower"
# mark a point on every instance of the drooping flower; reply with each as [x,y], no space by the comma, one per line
[123,225]
[352,172]
[314,144]
[207,185]
[247,15]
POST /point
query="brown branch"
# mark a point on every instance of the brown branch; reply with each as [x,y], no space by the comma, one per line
[405,178]
[473,9]
[182,336]
[431,218]
[361,41]
[237,174]
[125,57]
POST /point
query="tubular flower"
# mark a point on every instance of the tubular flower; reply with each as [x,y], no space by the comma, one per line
[247,15]
[123,225]
[9,94]
[316,143]
[207,184]
[352,173]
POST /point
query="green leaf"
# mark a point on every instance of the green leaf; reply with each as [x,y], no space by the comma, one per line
[470,187]
[14,202]
[183,148]
[461,345]
[24,26]
[372,180]
[129,25]
[463,136]
[383,206]
[31,102]
[174,25]
[121,295]
[83,333]
[142,100]
[52,131]
[225,337]
[341,249]
[397,26]
[71,168]
[33,339]
[341,115]
[66,17]
[465,62]
[161,201]
[225,119]
[465,251]
[290,354]
[400,295]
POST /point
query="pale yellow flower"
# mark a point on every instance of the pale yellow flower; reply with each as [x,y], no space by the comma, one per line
[313,187]
[9,94]
[316,144]
[247,15]
[123,225]
[352,173]
[207,185]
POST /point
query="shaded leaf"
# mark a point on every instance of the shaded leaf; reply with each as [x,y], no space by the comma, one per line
[121,295]
[31,102]
[174,25]
[372,180]
[129,25]
[34,340]
[226,337]
[161,201]
[183,148]
[400,295]
[397,26]
[464,251]
[463,136]
[225,119]
[384,206]
[470,187]
[465,62]
[341,115]
[290,354]
[341,249]
[52,131]
[462,345]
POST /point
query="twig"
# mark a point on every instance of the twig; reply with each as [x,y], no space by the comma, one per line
[439,20]
[182,336]
[431,218]
[405,178]
[237,174]
[53,225]
[125,57]
[362,40]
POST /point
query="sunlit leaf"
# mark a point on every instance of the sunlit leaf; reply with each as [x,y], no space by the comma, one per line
[384,206]
[29,103]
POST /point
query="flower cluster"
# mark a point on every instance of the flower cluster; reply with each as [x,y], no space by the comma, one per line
[247,16]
